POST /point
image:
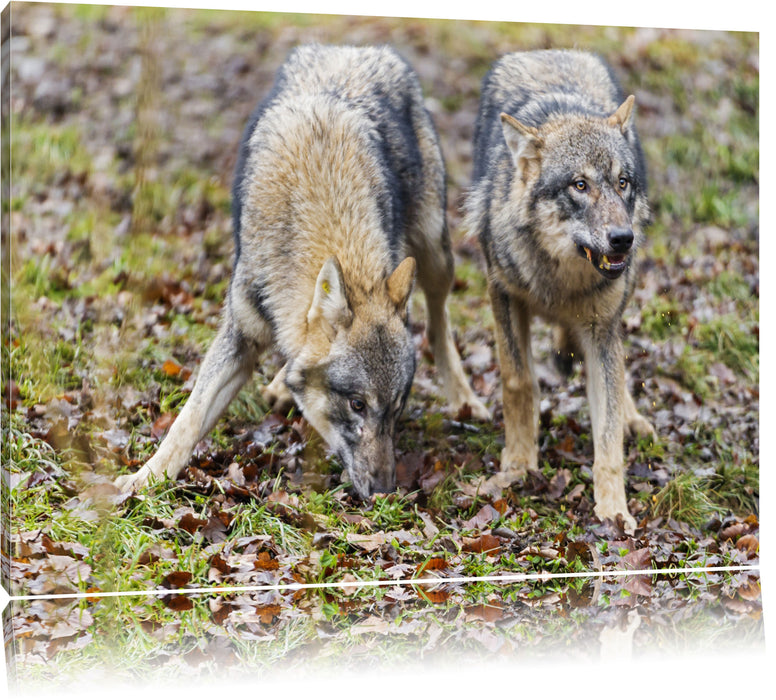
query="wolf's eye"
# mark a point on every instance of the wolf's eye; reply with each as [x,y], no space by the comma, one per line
[357,405]
[623,183]
[580,185]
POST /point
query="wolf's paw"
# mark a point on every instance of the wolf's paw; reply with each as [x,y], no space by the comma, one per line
[611,511]
[518,462]
[132,482]
[277,396]
[640,426]
[474,406]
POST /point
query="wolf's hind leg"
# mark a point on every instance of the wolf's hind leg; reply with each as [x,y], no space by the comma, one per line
[435,276]
[227,366]
[566,351]
[635,423]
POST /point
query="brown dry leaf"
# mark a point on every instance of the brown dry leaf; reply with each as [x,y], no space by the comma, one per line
[436,595]
[178,602]
[373,624]
[220,610]
[750,590]
[268,613]
[579,550]
[431,479]
[559,481]
[432,564]
[176,579]
[220,565]
[484,516]
[488,613]
[637,559]
[366,542]
[408,469]
[501,506]
[191,523]
[638,585]
[486,544]
[217,527]
[266,562]
[171,368]
[750,543]
[733,531]
[575,494]
[162,424]
[72,549]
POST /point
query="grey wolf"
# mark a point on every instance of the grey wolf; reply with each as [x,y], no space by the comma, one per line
[558,202]
[338,203]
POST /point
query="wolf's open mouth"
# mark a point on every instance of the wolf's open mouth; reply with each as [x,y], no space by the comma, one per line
[610,266]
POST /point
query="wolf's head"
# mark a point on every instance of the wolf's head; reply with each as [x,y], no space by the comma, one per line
[585,179]
[353,376]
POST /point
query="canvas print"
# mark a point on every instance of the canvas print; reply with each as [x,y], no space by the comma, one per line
[333,342]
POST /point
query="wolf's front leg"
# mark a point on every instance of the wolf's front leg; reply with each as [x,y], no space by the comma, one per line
[519,384]
[227,366]
[605,369]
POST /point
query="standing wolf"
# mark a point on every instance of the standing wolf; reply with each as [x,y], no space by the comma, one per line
[559,201]
[339,195]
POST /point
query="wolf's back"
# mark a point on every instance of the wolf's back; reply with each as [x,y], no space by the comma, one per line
[535,85]
[374,81]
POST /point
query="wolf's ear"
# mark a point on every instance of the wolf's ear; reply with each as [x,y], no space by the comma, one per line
[522,140]
[400,283]
[330,303]
[623,114]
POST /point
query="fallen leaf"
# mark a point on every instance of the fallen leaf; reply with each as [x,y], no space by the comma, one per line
[162,424]
[637,559]
[177,602]
[487,544]
[750,543]
[176,579]
[366,542]
[437,596]
[268,613]
[191,523]
[432,564]
[485,515]
[266,562]
[173,369]
[488,613]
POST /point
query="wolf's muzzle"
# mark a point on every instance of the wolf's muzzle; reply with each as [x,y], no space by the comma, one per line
[612,263]
[620,240]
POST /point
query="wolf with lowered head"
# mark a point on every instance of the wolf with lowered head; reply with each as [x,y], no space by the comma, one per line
[559,203]
[338,202]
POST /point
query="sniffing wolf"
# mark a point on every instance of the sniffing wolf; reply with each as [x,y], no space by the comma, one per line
[339,196]
[558,201]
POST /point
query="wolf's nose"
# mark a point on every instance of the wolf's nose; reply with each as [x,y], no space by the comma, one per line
[621,240]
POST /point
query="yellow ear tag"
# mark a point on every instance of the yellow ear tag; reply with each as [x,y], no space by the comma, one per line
[326,287]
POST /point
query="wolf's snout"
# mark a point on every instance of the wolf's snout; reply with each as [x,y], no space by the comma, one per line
[620,240]
[382,483]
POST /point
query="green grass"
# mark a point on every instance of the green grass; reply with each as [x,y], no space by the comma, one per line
[733,342]
[685,498]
